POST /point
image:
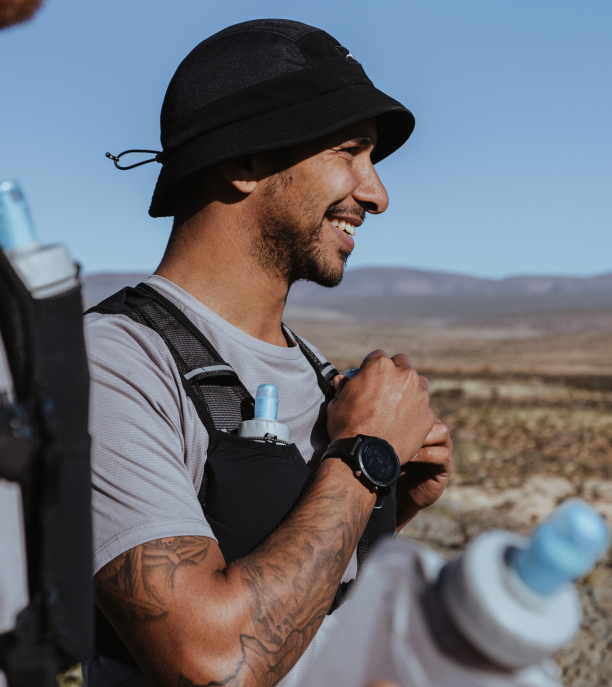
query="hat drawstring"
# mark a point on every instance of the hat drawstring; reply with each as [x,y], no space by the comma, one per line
[115,159]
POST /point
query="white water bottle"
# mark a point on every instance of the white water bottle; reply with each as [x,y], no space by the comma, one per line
[264,426]
[492,618]
[46,271]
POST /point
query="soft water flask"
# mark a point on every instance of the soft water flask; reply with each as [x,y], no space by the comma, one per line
[264,426]
[513,600]
[45,270]
[491,618]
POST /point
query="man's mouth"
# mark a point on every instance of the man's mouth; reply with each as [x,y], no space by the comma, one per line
[343,225]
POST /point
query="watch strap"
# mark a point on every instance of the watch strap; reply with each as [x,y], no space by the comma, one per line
[343,448]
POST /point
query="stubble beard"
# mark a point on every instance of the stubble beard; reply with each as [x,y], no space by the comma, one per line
[292,250]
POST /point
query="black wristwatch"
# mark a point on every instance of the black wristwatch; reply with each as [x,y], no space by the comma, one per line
[373,459]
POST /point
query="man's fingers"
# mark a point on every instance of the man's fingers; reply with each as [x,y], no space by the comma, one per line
[439,435]
[378,353]
[402,360]
[435,455]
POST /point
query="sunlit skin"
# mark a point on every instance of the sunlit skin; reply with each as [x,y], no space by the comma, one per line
[210,255]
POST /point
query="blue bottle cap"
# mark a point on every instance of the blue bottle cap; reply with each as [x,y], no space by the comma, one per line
[563,548]
[266,402]
[16,229]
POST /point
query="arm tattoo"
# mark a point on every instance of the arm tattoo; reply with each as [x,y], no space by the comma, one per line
[131,580]
[289,581]
[292,578]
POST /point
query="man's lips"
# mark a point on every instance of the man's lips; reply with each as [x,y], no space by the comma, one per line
[345,222]
[345,238]
[343,225]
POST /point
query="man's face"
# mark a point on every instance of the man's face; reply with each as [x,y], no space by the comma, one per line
[311,211]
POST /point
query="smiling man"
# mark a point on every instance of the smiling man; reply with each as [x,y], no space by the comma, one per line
[222,560]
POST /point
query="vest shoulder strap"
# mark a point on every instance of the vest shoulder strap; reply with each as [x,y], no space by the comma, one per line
[324,370]
[220,399]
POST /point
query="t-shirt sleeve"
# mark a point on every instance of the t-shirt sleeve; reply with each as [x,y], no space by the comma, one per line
[142,489]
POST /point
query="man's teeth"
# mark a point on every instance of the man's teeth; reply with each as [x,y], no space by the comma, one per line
[344,226]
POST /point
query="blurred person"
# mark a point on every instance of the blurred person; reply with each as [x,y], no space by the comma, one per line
[45,597]
[221,560]
[17,11]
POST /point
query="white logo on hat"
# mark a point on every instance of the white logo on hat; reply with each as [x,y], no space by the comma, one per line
[348,56]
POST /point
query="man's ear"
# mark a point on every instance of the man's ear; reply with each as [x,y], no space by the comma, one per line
[240,172]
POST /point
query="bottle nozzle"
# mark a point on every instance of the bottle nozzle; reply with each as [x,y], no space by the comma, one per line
[563,548]
[16,230]
[266,402]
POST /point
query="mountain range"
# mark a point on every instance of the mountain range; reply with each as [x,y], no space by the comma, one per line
[433,298]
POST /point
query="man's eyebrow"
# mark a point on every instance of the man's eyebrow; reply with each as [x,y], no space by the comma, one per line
[362,140]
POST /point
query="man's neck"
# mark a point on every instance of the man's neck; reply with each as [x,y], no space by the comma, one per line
[218,269]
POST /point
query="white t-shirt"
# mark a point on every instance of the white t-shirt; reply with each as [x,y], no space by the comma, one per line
[149,445]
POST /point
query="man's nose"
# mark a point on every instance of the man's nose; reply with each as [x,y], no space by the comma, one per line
[370,192]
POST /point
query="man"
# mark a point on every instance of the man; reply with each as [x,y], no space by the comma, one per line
[222,560]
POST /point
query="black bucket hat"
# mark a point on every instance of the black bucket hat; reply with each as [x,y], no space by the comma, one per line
[265,85]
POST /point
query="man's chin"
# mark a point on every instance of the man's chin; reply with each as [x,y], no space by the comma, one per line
[325,274]
[330,279]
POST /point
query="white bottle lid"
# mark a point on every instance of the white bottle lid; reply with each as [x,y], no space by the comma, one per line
[46,271]
[498,613]
[264,426]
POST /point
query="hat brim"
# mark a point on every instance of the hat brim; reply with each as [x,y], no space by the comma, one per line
[298,123]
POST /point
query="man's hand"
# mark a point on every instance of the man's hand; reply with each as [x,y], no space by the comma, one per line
[424,478]
[386,399]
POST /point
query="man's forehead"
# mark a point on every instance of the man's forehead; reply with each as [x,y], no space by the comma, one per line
[360,133]
[365,130]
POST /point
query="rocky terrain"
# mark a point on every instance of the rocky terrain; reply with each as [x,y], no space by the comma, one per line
[531,419]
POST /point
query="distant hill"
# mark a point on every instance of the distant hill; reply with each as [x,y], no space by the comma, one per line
[397,281]
[437,299]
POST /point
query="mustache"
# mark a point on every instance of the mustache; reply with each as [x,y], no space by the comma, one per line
[344,210]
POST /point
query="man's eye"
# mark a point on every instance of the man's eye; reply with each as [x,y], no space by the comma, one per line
[353,150]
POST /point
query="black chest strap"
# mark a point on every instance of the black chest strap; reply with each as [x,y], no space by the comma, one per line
[324,370]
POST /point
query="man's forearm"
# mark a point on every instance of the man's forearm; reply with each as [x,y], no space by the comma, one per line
[191,621]
[293,576]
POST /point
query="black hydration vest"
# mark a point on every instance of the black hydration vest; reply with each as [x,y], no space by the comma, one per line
[248,487]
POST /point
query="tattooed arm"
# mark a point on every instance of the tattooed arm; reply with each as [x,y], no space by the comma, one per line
[190,620]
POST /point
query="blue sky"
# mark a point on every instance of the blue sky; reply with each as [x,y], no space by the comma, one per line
[508,171]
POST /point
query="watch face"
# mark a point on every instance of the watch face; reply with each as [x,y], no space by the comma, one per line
[379,461]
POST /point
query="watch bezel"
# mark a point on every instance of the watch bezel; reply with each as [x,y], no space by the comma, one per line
[360,449]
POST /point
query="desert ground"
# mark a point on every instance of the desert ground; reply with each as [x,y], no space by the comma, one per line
[531,418]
